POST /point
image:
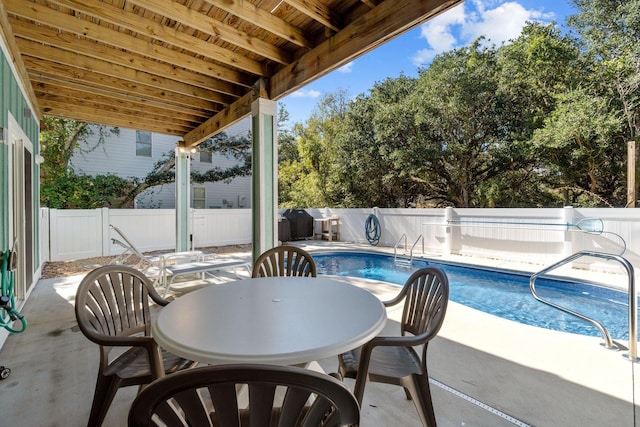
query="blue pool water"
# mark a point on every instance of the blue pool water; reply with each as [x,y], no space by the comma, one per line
[498,292]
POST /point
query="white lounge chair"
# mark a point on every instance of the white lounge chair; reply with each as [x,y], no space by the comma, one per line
[167,267]
[149,264]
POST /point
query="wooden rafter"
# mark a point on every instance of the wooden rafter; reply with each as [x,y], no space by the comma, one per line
[188,67]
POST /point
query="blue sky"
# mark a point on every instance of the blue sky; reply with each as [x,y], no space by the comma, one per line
[498,20]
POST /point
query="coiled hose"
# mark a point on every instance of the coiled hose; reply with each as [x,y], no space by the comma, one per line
[8,313]
[372,229]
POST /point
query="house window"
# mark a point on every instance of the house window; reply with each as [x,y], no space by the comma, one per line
[206,157]
[199,197]
[143,143]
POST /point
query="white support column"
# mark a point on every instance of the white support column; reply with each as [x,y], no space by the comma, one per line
[183,197]
[264,175]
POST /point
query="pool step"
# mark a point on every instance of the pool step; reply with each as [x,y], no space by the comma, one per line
[403,262]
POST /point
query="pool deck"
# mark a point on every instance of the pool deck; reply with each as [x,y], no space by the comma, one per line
[488,371]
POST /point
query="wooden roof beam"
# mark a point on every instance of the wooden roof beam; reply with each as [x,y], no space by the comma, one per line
[45,36]
[38,66]
[47,86]
[59,101]
[98,33]
[157,31]
[217,29]
[316,11]
[93,115]
[386,21]
[264,19]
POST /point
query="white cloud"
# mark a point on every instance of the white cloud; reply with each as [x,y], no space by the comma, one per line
[499,21]
[346,68]
[309,93]
[501,24]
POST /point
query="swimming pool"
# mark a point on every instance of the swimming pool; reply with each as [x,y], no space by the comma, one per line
[499,292]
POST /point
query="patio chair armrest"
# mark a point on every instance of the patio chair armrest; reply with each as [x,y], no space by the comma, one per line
[154,353]
[395,300]
[125,341]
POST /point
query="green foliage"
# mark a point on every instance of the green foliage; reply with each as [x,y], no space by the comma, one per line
[71,191]
[539,122]
[60,186]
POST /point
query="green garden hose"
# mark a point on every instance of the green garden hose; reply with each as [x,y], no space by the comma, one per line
[8,313]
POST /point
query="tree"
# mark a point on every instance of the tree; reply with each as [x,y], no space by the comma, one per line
[163,172]
[374,147]
[579,140]
[610,31]
[466,141]
[307,178]
[60,186]
[533,71]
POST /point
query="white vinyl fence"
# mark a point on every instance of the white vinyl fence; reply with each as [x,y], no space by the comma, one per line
[85,233]
[531,235]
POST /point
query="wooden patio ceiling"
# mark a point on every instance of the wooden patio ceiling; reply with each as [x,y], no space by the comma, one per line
[189,67]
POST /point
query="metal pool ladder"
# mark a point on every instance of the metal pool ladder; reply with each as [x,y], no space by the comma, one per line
[633,300]
[404,261]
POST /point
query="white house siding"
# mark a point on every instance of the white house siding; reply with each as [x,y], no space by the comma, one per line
[117,156]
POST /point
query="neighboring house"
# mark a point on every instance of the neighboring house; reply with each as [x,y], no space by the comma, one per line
[134,153]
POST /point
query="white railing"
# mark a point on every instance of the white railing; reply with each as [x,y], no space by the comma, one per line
[543,235]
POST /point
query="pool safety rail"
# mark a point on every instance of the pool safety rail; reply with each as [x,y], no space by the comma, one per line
[399,242]
[633,301]
[587,225]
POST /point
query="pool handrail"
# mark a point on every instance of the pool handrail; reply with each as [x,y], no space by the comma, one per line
[420,237]
[632,292]
[395,248]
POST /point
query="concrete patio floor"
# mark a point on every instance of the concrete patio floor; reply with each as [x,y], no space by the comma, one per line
[487,371]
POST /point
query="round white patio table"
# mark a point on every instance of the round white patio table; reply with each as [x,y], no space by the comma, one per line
[272,320]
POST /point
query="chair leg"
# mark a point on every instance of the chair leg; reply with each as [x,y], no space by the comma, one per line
[358,388]
[418,388]
[106,388]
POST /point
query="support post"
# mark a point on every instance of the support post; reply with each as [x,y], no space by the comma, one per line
[264,175]
[183,184]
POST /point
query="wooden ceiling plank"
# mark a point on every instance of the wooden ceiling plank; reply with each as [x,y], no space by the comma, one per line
[45,84]
[316,11]
[60,99]
[37,66]
[66,41]
[9,41]
[95,116]
[264,19]
[83,28]
[208,25]
[389,19]
[155,30]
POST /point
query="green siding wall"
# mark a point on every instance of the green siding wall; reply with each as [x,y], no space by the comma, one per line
[13,101]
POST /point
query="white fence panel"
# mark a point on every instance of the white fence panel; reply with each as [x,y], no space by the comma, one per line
[147,229]
[75,234]
[221,227]
[85,233]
